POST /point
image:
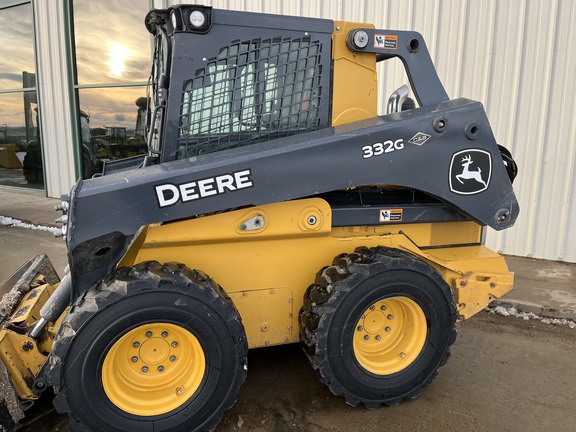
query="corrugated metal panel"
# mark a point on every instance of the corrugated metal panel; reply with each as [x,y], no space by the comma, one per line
[516,57]
[54,96]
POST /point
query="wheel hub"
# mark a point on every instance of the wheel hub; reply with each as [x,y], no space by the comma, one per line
[374,322]
[154,351]
[389,335]
[153,369]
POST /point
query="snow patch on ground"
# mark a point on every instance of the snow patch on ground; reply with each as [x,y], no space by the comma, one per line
[8,221]
[501,310]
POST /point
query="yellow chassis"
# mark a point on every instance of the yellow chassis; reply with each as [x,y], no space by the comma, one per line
[266,270]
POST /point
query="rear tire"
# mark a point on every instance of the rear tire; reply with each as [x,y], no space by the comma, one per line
[377,325]
[87,168]
[153,347]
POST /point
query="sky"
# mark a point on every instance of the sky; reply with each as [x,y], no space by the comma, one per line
[17,42]
[112,47]
[112,44]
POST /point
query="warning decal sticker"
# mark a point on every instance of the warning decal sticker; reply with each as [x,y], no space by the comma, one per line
[391,215]
[385,41]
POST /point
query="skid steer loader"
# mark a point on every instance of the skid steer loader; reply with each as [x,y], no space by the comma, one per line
[274,206]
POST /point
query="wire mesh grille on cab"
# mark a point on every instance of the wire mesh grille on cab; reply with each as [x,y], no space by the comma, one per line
[253,91]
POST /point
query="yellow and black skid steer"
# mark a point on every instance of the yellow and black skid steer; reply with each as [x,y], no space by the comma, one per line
[274,206]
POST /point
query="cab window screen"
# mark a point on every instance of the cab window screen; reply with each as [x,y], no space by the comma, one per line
[253,91]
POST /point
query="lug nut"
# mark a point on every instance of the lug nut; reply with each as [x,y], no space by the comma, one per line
[160,368]
[174,344]
[372,307]
[136,344]
[144,369]
[402,355]
[179,390]
[134,359]
[382,308]
[366,337]
[388,329]
[360,328]
[390,316]
[378,337]
[172,358]
[148,334]
[164,334]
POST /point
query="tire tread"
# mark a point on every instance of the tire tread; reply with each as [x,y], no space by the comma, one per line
[331,285]
[128,281]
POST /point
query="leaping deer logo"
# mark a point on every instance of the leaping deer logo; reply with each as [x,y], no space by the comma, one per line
[467,174]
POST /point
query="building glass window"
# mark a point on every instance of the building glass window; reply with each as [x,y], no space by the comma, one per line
[21,161]
[112,125]
[112,66]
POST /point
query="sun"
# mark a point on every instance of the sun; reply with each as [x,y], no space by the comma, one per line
[118,53]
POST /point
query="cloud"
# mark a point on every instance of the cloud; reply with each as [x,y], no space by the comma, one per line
[17,41]
[102,33]
[112,47]
[12,77]
[111,106]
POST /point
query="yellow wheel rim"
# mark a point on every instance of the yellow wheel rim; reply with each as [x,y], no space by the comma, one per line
[390,335]
[153,369]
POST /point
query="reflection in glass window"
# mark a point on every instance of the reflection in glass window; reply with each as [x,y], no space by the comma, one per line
[16,46]
[112,125]
[112,49]
[20,147]
[112,44]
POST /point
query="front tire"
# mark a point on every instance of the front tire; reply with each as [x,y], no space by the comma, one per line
[377,325]
[153,347]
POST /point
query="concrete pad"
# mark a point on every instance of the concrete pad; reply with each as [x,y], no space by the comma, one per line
[20,244]
[546,288]
[30,207]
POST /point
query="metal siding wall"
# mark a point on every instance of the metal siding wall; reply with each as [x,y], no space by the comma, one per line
[54,96]
[518,58]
